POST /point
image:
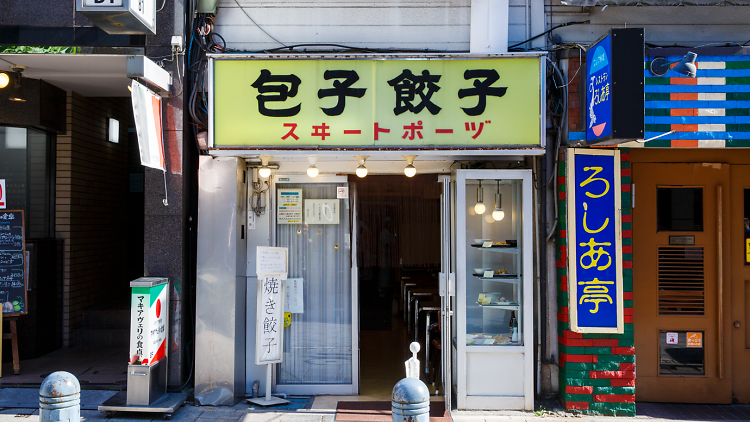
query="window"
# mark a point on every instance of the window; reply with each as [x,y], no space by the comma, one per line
[25,166]
[679,209]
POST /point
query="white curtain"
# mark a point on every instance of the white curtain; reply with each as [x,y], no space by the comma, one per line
[318,343]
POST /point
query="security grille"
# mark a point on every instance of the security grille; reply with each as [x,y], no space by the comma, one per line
[681,281]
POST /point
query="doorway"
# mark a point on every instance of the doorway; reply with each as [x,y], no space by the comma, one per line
[399,258]
[690,275]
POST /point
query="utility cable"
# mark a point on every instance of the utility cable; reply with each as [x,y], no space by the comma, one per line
[256,24]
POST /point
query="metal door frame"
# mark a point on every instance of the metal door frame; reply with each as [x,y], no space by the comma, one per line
[322,389]
[447,288]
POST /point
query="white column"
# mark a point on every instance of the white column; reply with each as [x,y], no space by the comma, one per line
[489,26]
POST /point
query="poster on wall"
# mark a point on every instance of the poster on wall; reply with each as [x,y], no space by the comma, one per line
[148,324]
[322,211]
[293,292]
[3,195]
[289,206]
[13,274]
[594,242]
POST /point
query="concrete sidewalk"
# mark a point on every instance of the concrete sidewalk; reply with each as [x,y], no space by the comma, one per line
[242,412]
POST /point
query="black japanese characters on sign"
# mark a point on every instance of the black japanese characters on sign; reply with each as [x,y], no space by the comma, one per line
[269,83]
[411,92]
[12,263]
[408,86]
[340,89]
[481,89]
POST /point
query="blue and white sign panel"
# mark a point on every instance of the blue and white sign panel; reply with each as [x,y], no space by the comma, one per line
[594,241]
[598,98]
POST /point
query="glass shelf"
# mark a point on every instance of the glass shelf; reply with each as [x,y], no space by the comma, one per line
[501,249]
[513,279]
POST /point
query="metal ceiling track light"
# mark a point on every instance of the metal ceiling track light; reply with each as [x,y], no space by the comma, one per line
[16,93]
[410,170]
[479,208]
[361,169]
[498,214]
[264,170]
[312,171]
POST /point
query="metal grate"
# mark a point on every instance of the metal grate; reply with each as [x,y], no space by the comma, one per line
[681,281]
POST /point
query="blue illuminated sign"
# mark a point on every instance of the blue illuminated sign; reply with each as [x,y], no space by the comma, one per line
[598,87]
[595,280]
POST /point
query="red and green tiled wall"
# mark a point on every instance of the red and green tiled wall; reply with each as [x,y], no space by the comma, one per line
[711,110]
[597,371]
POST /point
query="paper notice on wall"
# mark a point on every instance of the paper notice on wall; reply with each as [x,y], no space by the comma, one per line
[293,296]
[269,339]
[289,206]
[322,211]
[271,260]
[3,195]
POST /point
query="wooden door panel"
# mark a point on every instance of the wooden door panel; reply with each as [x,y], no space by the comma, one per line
[662,297]
[739,277]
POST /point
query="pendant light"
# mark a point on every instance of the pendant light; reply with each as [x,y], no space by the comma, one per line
[361,169]
[312,171]
[264,170]
[498,214]
[410,170]
[479,208]
[16,93]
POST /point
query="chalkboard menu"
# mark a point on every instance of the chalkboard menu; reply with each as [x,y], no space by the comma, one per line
[12,263]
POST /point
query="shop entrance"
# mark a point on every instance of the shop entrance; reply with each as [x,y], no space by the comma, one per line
[690,272]
[399,257]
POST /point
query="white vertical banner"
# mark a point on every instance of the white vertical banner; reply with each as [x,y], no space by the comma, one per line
[269,343]
[271,267]
[3,195]
[147,113]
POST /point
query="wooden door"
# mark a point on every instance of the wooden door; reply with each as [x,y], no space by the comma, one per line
[738,320]
[678,244]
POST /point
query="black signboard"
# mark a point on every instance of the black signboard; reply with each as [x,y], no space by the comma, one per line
[612,90]
[12,263]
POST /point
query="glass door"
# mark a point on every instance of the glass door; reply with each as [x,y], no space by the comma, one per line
[320,336]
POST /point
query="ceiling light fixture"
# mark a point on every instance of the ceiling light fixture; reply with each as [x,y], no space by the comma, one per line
[410,170]
[4,80]
[361,169]
[498,214]
[17,94]
[686,66]
[312,171]
[479,208]
[264,170]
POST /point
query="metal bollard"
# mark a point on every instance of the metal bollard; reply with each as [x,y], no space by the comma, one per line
[60,398]
[410,401]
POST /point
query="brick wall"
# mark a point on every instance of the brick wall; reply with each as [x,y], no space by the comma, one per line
[91,206]
[597,371]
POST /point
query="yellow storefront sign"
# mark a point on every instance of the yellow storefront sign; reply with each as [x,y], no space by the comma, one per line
[371,103]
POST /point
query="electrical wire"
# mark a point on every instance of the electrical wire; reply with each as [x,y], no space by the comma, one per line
[256,24]
[548,31]
[563,88]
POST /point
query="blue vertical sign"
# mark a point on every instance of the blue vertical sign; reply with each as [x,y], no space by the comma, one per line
[598,86]
[594,239]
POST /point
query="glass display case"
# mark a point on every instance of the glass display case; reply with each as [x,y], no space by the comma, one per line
[494,290]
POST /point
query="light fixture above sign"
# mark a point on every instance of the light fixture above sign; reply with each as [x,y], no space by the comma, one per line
[120,16]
